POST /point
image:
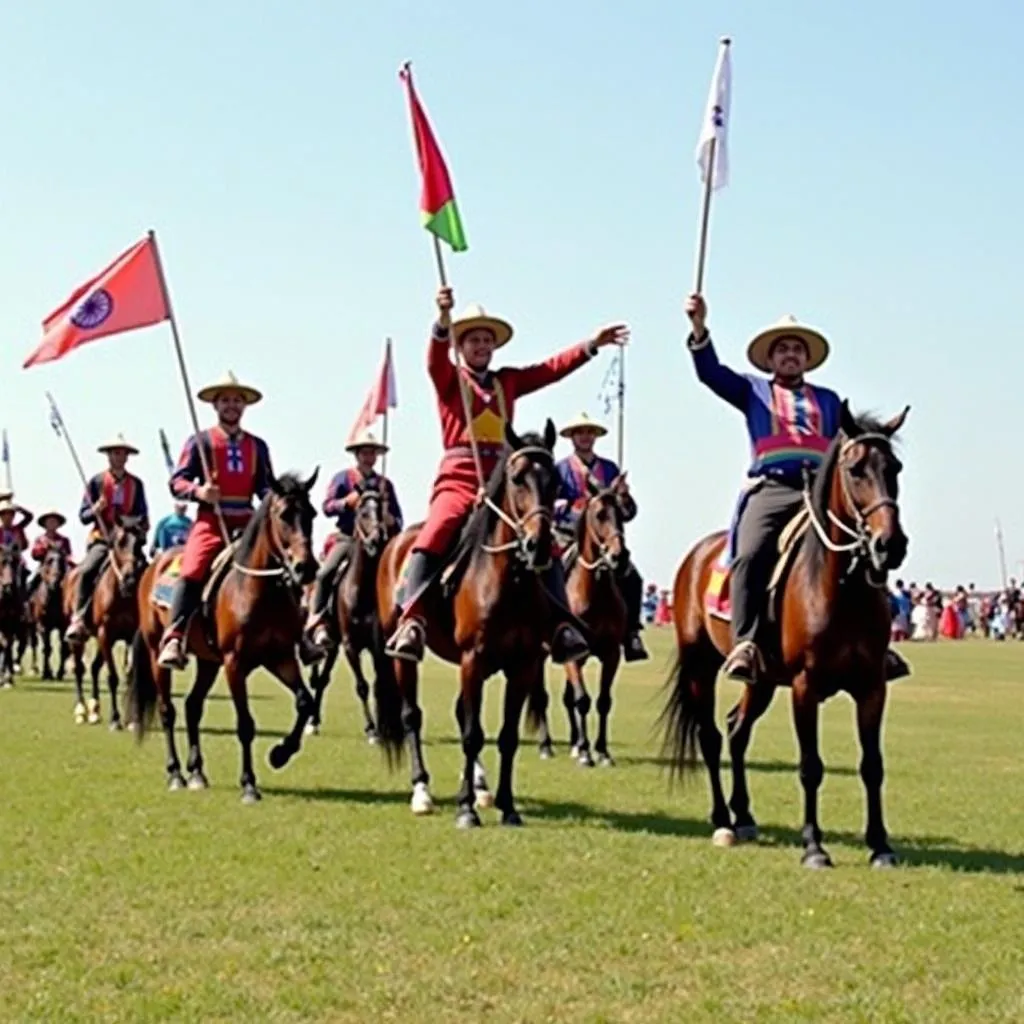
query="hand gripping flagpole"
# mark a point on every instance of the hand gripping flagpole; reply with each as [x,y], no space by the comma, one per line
[208,474]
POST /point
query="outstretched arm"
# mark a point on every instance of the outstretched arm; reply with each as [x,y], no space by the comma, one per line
[527,379]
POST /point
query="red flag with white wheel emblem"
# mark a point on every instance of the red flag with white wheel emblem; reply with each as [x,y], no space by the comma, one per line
[126,295]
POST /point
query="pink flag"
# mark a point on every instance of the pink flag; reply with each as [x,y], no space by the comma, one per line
[127,294]
[381,397]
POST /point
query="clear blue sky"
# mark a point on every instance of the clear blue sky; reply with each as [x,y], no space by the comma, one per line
[876,153]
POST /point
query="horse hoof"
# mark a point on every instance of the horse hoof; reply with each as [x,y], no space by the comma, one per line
[95,718]
[512,818]
[175,783]
[606,760]
[421,803]
[723,837]
[279,756]
[816,860]
[312,729]
[484,799]
[584,759]
[747,833]
[251,795]
[886,859]
[197,781]
[79,714]
[130,727]
[574,752]
[115,725]
[467,819]
[546,753]
[372,738]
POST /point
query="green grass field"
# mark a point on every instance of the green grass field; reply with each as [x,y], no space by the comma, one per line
[329,901]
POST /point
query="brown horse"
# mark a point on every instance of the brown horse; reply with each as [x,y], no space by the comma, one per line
[595,598]
[251,620]
[498,620]
[830,633]
[12,612]
[46,613]
[113,616]
[355,608]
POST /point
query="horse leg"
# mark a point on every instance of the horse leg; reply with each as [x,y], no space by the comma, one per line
[407,678]
[805,719]
[245,726]
[47,653]
[113,681]
[570,713]
[574,677]
[319,680]
[609,667]
[870,710]
[93,703]
[484,797]
[78,652]
[168,716]
[517,685]
[289,673]
[472,687]
[62,655]
[362,690]
[206,674]
[545,747]
[741,720]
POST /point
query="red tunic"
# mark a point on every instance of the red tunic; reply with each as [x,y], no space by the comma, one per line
[43,543]
[492,403]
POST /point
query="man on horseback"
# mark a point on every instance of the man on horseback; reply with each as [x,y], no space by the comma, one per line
[791,425]
[240,465]
[50,538]
[13,520]
[583,474]
[110,496]
[172,531]
[457,489]
[342,499]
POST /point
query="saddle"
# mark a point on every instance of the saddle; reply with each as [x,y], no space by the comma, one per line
[163,589]
[716,596]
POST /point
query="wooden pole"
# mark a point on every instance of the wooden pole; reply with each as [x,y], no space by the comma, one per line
[8,478]
[1002,553]
[208,474]
[621,445]
[705,219]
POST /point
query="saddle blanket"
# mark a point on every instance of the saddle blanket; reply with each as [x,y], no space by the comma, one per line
[163,589]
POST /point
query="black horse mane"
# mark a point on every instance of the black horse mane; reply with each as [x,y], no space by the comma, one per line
[287,486]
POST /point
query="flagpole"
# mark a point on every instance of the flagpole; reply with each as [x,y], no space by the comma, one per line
[705,213]
[621,446]
[387,410]
[183,370]
[1002,553]
[7,464]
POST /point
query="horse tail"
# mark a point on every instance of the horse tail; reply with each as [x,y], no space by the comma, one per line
[536,702]
[142,693]
[387,696]
[680,720]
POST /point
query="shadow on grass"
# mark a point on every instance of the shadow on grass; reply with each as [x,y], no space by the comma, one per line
[225,730]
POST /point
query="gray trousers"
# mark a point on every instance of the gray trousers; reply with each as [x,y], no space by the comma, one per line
[765,515]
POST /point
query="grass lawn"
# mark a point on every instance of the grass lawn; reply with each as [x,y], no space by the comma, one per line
[329,901]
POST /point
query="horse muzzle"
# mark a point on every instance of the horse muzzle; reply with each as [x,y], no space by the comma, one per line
[888,553]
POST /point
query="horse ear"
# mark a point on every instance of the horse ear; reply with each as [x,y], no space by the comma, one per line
[310,483]
[846,420]
[896,422]
[513,438]
[272,483]
[550,435]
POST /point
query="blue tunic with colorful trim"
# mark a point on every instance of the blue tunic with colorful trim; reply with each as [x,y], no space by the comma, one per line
[790,429]
[578,482]
[353,479]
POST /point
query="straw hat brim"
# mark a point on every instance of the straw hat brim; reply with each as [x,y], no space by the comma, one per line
[61,519]
[377,446]
[760,346]
[211,393]
[118,446]
[501,329]
[595,428]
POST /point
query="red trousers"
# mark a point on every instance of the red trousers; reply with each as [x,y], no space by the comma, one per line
[451,503]
[202,547]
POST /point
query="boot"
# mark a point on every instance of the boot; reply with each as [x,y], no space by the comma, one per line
[409,642]
[743,662]
[896,666]
[187,595]
[632,588]
[568,643]
[318,636]
[78,629]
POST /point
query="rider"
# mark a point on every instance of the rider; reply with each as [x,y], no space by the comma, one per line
[492,398]
[791,425]
[582,474]
[240,465]
[172,531]
[50,538]
[342,498]
[110,495]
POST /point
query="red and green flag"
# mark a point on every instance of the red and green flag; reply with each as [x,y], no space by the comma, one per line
[437,200]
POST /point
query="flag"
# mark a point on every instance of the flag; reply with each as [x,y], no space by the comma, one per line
[437,200]
[716,122]
[611,385]
[381,397]
[126,295]
[166,446]
[55,421]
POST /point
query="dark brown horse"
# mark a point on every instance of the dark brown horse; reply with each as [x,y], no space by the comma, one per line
[355,608]
[46,613]
[830,633]
[12,612]
[497,621]
[595,598]
[113,617]
[253,620]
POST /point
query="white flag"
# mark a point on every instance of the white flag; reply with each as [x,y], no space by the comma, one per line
[716,122]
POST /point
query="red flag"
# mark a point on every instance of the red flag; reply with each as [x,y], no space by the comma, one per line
[127,294]
[381,397]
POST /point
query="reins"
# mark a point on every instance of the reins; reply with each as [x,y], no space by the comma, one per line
[516,523]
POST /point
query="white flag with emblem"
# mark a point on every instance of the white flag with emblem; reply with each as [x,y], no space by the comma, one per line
[716,122]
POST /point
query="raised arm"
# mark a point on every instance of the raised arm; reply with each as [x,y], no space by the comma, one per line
[524,380]
[726,383]
[439,364]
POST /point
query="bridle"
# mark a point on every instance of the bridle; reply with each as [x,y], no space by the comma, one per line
[369,538]
[516,522]
[861,534]
[605,560]
[277,554]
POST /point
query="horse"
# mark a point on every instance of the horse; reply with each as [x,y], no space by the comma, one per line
[595,598]
[250,619]
[12,612]
[830,633]
[46,610]
[114,616]
[355,609]
[497,619]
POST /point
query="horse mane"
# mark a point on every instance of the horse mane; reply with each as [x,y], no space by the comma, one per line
[288,485]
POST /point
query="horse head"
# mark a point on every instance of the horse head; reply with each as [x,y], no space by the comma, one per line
[128,552]
[54,569]
[290,516]
[601,540]
[9,566]
[370,528]
[868,472]
[530,490]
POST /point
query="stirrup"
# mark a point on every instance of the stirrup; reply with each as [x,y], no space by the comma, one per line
[736,665]
[409,641]
[172,654]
